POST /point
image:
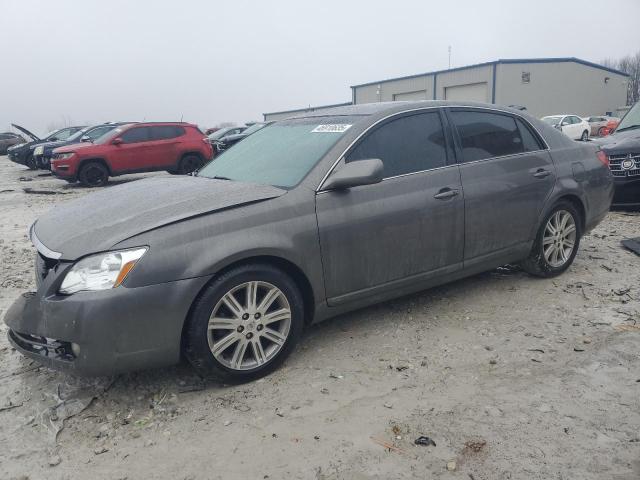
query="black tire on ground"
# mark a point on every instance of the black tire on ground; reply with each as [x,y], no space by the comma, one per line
[93,174]
[585,136]
[31,162]
[601,131]
[197,334]
[189,163]
[537,264]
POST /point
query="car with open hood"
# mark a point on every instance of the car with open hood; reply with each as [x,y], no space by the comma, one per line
[305,219]
[623,151]
[44,151]
[23,153]
[9,139]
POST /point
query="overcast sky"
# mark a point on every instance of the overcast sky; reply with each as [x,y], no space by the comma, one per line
[208,62]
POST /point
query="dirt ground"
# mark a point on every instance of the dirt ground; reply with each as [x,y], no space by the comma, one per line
[512,377]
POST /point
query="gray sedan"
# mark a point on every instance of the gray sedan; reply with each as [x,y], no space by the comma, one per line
[307,218]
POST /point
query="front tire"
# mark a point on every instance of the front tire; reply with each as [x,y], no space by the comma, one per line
[585,136]
[244,324]
[556,243]
[93,174]
[31,162]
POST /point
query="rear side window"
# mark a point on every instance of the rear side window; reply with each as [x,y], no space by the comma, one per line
[529,141]
[164,132]
[135,135]
[485,135]
[405,145]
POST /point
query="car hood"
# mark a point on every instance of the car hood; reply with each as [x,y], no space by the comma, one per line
[71,147]
[26,132]
[98,221]
[619,143]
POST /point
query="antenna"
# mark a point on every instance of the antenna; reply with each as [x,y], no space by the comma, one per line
[449,56]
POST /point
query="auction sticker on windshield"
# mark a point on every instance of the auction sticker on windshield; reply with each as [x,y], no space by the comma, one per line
[332,128]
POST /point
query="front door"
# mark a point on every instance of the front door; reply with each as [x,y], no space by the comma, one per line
[130,155]
[374,236]
[507,174]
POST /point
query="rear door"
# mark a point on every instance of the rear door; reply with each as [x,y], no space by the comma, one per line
[378,237]
[164,146]
[507,174]
[131,154]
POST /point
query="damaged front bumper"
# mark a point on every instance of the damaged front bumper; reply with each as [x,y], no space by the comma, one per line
[104,332]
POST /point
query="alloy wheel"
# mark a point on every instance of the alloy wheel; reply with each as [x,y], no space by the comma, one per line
[249,325]
[559,238]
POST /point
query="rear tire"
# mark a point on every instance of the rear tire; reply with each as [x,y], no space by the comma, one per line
[189,164]
[601,131]
[556,243]
[259,315]
[585,136]
[93,174]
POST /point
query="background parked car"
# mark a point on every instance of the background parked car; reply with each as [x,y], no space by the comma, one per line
[602,125]
[8,139]
[231,139]
[221,132]
[43,152]
[23,153]
[139,147]
[623,151]
[571,125]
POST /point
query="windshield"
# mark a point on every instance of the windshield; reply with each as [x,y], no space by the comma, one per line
[78,134]
[552,120]
[631,119]
[280,154]
[109,135]
[219,133]
[254,128]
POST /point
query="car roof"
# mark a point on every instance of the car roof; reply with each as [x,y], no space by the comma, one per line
[366,109]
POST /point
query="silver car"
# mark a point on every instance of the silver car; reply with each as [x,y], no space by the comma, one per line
[305,219]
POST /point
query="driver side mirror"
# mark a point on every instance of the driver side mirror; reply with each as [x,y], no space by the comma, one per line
[85,139]
[117,141]
[356,173]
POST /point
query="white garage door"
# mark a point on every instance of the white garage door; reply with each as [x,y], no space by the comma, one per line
[474,92]
[417,95]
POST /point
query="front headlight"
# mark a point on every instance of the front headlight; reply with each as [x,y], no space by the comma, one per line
[16,146]
[101,272]
[65,156]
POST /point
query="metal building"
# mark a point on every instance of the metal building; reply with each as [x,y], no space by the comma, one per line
[272,116]
[545,86]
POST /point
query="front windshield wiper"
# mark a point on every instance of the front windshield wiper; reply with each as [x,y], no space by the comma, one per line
[627,128]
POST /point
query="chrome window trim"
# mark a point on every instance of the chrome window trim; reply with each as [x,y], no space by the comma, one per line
[474,107]
[41,247]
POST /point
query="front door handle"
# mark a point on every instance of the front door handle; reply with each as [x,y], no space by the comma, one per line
[446,193]
[541,173]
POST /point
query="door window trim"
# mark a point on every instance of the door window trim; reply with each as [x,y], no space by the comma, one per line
[458,143]
[390,117]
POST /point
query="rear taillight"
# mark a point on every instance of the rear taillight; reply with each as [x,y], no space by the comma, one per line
[603,157]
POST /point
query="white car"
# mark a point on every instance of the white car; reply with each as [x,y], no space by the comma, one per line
[572,126]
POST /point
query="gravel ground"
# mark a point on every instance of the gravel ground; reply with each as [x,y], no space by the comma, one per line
[512,377]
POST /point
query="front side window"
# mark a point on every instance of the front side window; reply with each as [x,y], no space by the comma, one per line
[486,135]
[65,133]
[98,132]
[281,154]
[405,145]
[136,135]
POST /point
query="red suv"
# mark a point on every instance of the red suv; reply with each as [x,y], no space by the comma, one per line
[137,147]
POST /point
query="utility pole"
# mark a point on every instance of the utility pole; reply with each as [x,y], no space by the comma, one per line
[449,56]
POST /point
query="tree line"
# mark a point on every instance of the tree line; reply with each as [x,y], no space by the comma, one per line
[630,65]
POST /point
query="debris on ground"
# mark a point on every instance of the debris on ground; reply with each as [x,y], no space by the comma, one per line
[424,441]
[387,445]
[474,446]
[451,466]
[42,192]
[632,244]
[55,460]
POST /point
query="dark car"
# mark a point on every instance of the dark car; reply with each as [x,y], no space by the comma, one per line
[44,151]
[23,153]
[9,139]
[227,141]
[223,132]
[623,151]
[137,147]
[307,218]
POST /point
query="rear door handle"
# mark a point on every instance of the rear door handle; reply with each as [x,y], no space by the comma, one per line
[541,173]
[445,193]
